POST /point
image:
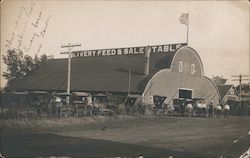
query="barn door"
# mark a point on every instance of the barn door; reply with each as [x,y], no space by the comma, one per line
[185,93]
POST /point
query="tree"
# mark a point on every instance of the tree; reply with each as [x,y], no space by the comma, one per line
[19,65]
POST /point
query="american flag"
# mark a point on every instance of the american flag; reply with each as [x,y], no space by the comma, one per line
[184,18]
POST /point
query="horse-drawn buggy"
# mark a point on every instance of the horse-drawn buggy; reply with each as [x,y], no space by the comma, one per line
[134,105]
[197,106]
[86,104]
[160,105]
[180,106]
[82,104]
[59,106]
[183,106]
[104,104]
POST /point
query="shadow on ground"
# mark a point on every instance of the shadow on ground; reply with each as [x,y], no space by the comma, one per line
[18,143]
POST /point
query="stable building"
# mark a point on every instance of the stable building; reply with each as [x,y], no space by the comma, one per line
[174,71]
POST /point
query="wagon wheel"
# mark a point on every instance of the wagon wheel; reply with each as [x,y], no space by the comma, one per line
[76,111]
[89,110]
[128,110]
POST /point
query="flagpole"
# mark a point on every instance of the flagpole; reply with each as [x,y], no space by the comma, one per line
[184,19]
[188,27]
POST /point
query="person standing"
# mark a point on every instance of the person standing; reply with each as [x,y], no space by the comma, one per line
[218,111]
[204,109]
[182,109]
[189,109]
[177,108]
[58,105]
[151,102]
[249,110]
[89,109]
[210,110]
[199,106]
[226,110]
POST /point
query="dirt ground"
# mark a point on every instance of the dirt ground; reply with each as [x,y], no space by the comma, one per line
[150,136]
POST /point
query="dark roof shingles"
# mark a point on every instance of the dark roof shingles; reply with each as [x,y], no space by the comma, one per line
[96,73]
[223,90]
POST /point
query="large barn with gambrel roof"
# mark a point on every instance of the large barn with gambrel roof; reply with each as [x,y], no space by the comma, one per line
[174,71]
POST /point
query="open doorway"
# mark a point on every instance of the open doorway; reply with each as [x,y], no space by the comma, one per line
[185,93]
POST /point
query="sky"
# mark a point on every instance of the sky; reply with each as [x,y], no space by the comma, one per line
[218,30]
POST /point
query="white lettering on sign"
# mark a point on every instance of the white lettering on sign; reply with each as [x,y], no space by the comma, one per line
[128,51]
[119,52]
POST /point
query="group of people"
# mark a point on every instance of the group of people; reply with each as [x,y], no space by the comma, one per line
[214,109]
[201,109]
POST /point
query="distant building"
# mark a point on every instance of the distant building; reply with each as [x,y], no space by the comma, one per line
[174,71]
[219,80]
[245,92]
[228,93]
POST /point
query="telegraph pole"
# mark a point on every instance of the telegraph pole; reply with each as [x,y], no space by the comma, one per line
[240,79]
[69,46]
[147,55]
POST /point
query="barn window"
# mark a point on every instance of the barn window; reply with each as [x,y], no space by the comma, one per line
[180,66]
[193,69]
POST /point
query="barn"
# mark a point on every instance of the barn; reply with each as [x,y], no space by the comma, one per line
[173,70]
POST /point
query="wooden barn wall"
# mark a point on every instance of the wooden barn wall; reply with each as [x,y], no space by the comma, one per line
[168,81]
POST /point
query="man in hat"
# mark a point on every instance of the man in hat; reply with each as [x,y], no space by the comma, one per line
[204,109]
[189,109]
[226,110]
[182,109]
[210,110]
[218,111]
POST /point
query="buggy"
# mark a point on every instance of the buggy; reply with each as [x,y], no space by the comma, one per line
[160,106]
[133,105]
[180,106]
[103,102]
[59,106]
[197,110]
[81,105]
[21,106]
[39,100]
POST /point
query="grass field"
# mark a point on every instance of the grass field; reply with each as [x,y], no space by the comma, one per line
[151,136]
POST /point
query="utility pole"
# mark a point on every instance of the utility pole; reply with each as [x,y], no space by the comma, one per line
[240,79]
[147,55]
[69,46]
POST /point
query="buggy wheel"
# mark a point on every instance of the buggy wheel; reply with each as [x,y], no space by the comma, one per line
[128,110]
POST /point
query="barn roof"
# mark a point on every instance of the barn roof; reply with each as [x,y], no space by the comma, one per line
[223,90]
[219,80]
[100,74]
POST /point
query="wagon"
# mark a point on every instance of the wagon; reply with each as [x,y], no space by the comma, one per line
[59,105]
[160,107]
[39,100]
[134,105]
[81,103]
[103,102]
[197,110]
[180,105]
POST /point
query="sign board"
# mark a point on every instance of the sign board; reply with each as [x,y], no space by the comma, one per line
[128,51]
